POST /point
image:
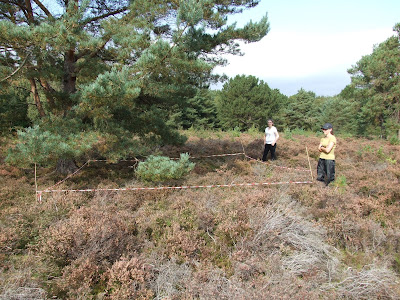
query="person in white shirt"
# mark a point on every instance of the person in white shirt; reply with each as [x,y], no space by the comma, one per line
[270,138]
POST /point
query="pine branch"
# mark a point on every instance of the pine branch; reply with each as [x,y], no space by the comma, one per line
[94,53]
[28,7]
[15,71]
[43,8]
[111,13]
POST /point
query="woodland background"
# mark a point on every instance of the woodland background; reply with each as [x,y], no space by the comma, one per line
[121,80]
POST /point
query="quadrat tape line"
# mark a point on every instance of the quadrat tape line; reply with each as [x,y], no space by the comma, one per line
[50,190]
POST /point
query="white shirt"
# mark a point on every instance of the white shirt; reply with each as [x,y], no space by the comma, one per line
[270,134]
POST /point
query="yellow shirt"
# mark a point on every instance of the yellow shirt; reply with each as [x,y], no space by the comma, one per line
[325,141]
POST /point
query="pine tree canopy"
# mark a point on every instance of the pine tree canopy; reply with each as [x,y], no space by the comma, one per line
[376,83]
[112,69]
[302,111]
[246,102]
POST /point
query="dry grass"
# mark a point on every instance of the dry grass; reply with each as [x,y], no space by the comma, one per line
[302,241]
[372,282]
[268,242]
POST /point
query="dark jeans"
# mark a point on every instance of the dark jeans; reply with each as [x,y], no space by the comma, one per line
[269,147]
[326,170]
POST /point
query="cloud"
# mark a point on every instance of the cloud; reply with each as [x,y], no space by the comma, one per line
[298,55]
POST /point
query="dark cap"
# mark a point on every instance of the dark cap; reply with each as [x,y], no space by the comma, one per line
[327,126]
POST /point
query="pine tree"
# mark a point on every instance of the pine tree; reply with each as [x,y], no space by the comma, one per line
[198,112]
[13,110]
[246,101]
[339,111]
[303,111]
[376,81]
[114,69]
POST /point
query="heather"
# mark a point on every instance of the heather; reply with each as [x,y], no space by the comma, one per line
[289,241]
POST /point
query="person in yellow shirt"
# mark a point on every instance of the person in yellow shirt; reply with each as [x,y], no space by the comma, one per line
[326,162]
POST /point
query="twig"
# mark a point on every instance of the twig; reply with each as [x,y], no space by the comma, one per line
[308,157]
[211,236]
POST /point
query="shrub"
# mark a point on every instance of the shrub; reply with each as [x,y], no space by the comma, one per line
[128,279]
[161,168]
[254,132]
[340,182]
[288,134]
[394,140]
[88,231]
[78,279]
[235,132]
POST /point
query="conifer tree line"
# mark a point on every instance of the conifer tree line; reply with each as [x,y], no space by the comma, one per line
[113,78]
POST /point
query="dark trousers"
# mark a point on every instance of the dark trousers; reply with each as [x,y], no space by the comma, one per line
[269,147]
[326,170]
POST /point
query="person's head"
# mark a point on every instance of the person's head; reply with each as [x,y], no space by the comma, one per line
[270,122]
[327,128]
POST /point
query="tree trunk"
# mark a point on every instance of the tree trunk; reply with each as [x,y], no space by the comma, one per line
[66,166]
[29,11]
[36,98]
[398,121]
[49,93]
[69,82]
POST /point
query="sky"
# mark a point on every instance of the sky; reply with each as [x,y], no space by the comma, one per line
[312,43]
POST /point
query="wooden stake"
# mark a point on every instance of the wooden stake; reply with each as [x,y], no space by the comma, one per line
[243,148]
[36,194]
[308,157]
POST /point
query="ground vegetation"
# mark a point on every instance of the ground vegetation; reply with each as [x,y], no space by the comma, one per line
[285,241]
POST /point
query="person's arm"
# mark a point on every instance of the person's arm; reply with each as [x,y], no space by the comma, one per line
[276,138]
[320,147]
[328,148]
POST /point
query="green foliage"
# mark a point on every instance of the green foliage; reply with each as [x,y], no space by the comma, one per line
[381,154]
[191,12]
[288,133]
[341,112]
[303,111]
[340,182]
[376,83]
[396,263]
[198,112]
[253,31]
[391,160]
[13,109]
[161,168]
[43,147]
[235,132]
[394,140]
[254,132]
[122,67]
[246,102]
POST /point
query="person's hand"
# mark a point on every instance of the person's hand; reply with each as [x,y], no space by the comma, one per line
[273,144]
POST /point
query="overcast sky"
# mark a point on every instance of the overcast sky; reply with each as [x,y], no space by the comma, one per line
[312,43]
